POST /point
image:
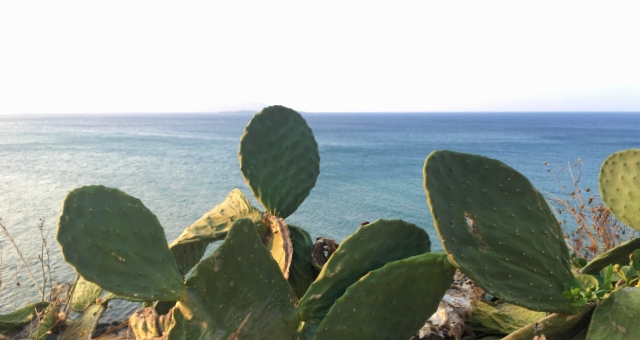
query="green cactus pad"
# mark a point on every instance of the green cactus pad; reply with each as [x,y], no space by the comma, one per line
[190,246]
[498,229]
[46,323]
[501,317]
[618,255]
[369,248]
[21,317]
[114,241]
[616,317]
[301,273]
[82,328]
[392,302]
[237,291]
[554,327]
[620,186]
[84,295]
[306,331]
[279,159]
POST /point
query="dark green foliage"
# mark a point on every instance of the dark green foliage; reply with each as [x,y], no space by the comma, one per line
[369,248]
[498,229]
[113,240]
[618,255]
[301,272]
[392,302]
[279,159]
[191,245]
[21,317]
[616,317]
[237,291]
[620,186]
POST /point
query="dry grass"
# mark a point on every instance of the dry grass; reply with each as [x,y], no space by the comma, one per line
[590,228]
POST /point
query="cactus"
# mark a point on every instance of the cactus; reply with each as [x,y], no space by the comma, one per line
[279,159]
[113,240]
[306,331]
[369,248]
[498,229]
[554,327]
[237,292]
[21,317]
[190,246]
[620,186]
[147,324]
[85,294]
[47,322]
[278,241]
[301,272]
[391,302]
[618,255]
[501,317]
[616,317]
[82,328]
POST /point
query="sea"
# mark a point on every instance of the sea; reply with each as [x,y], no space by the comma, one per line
[182,165]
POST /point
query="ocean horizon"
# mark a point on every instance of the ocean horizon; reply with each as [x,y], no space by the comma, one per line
[182,165]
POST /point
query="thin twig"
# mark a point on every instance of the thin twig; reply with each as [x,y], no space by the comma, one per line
[6,232]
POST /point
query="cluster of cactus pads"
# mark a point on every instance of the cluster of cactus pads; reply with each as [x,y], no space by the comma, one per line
[382,282]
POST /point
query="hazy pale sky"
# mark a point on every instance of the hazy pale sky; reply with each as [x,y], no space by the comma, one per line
[188,56]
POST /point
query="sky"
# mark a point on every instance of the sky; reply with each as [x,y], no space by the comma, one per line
[326,56]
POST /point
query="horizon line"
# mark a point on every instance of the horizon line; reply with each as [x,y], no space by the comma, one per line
[308,112]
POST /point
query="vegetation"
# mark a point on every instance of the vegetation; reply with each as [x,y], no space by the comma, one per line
[380,282]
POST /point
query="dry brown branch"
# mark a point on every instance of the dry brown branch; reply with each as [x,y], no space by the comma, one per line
[6,233]
[590,228]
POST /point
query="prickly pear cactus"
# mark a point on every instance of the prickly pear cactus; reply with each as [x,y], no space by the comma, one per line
[21,317]
[369,248]
[618,255]
[47,322]
[306,331]
[83,327]
[391,302]
[190,246]
[620,186]
[147,324]
[236,293]
[501,317]
[554,327]
[616,317]
[498,229]
[114,241]
[301,273]
[278,241]
[85,294]
[279,159]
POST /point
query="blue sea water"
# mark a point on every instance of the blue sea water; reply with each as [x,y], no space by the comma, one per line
[181,166]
